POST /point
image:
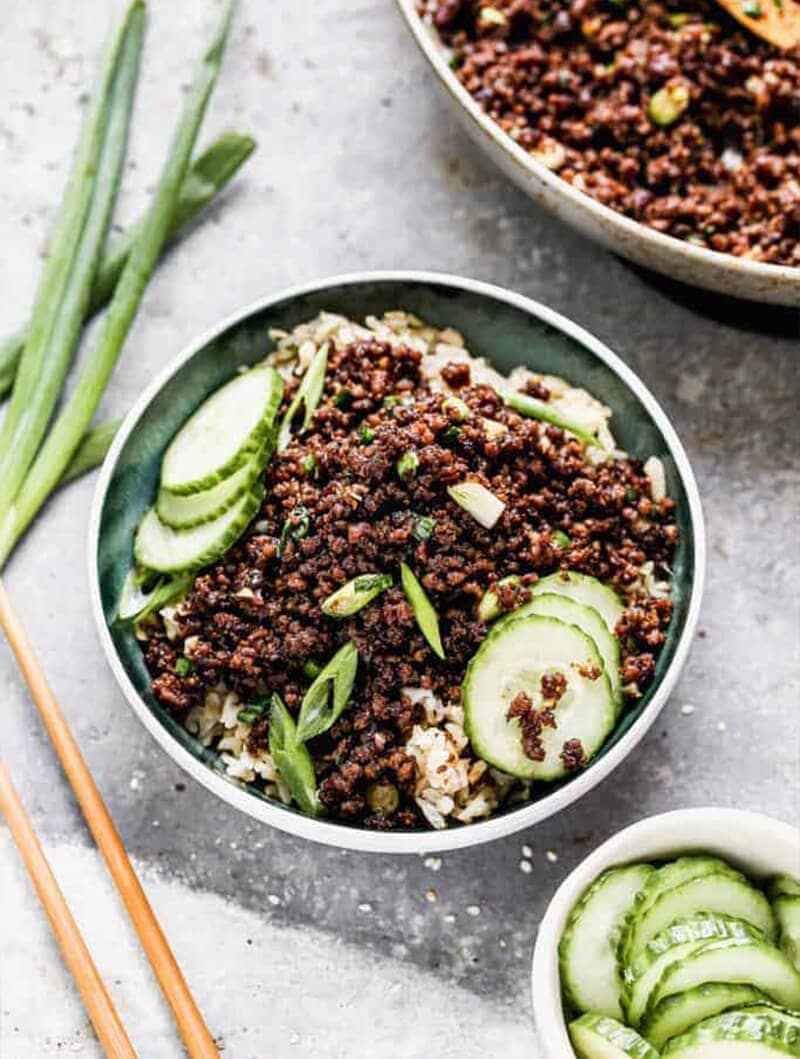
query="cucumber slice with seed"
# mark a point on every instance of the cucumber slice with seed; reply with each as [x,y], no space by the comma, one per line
[599,1037]
[586,590]
[193,509]
[746,961]
[225,431]
[679,940]
[512,660]
[676,1014]
[159,547]
[587,619]
[587,951]
[736,1035]
[787,912]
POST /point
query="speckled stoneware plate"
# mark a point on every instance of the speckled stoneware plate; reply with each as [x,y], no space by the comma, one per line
[698,266]
[504,327]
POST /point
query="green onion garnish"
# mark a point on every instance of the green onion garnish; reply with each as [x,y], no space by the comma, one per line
[292,758]
[309,394]
[533,408]
[366,434]
[311,668]
[424,612]
[310,463]
[423,528]
[355,595]
[489,606]
[184,666]
[408,464]
[328,696]
[560,539]
[458,409]
[295,528]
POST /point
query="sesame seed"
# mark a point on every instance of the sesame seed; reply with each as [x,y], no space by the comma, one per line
[273,899]
[525,866]
[449,918]
[430,895]
[551,855]
[687,710]
[473,910]
[434,863]
[527,852]
[721,726]
[365,907]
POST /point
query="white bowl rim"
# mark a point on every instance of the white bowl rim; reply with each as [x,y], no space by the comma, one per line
[362,839]
[640,233]
[717,829]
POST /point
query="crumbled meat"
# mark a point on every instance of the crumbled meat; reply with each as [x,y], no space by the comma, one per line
[553,686]
[572,755]
[531,723]
[255,615]
[571,82]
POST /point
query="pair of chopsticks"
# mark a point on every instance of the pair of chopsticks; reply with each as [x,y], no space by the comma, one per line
[99,1005]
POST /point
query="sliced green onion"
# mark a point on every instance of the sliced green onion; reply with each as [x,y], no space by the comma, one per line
[135,605]
[383,798]
[295,528]
[477,501]
[328,696]
[73,419]
[668,103]
[209,174]
[560,539]
[493,429]
[247,716]
[184,666]
[458,408]
[309,394]
[407,464]
[311,668]
[393,399]
[423,528]
[489,607]
[424,612]
[753,9]
[451,433]
[343,399]
[533,408]
[366,434]
[63,296]
[292,758]
[310,463]
[355,595]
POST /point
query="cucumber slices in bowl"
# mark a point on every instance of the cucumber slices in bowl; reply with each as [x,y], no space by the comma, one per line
[210,486]
[687,960]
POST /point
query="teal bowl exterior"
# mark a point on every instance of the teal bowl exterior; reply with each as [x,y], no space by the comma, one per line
[506,328]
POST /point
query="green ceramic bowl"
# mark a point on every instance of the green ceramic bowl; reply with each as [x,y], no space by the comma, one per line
[504,327]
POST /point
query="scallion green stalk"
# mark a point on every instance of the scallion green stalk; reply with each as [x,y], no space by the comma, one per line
[65,287]
[209,174]
[424,611]
[92,450]
[68,429]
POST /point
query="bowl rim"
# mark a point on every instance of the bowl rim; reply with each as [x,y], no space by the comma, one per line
[717,828]
[361,839]
[658,242]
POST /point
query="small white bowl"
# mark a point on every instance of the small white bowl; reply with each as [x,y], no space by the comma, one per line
[756,844]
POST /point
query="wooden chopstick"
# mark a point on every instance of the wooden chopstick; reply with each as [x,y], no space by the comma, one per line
[199,1042]
[77,957]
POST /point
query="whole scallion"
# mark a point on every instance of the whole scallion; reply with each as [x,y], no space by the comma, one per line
[65,287]
[209,174]
[66,434]
[424,611]
[92,450]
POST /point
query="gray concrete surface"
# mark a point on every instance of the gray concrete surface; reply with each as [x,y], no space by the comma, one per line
[360,166]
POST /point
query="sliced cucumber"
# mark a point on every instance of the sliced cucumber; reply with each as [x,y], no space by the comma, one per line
[679,940]
[783,884]
[513,659]
[774,1011]
[599,1037]
[787,912]
[720,892]
[677,1013]
[158,547]
[588,620]
[587,952]
[747,961]
[736,1035]
[193,509]
[586,590]
[228,428]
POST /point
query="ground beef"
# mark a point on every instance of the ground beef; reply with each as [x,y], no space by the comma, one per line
[571,81]
[255,616]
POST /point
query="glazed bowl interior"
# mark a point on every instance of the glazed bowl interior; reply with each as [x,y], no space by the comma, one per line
[757,845]
[505,328]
